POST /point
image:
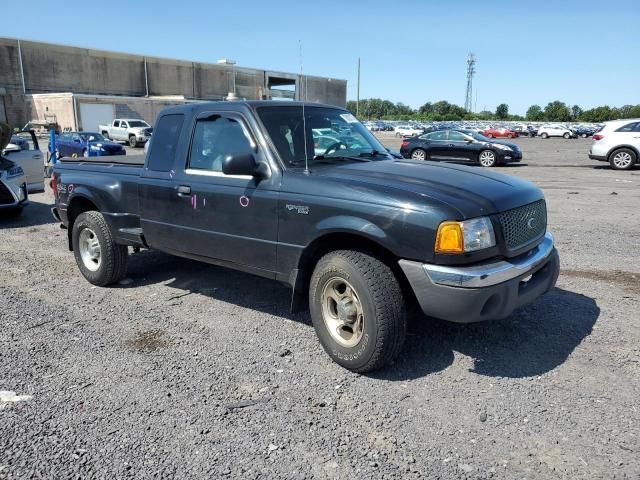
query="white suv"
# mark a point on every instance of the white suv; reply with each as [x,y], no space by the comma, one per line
[618,143]
[408,131]
[554,131]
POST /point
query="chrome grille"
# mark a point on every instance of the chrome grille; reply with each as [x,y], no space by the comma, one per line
[524,225]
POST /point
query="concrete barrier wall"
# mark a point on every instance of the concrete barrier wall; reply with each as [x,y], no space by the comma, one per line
[57,68]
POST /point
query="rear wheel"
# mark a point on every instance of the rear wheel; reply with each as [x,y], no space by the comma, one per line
[567,135]
[487,158]
[544,135]
[622,159]
[105,134]
[490,135]
[357,310]
[418,154]
[100,260]
[584,135]
[509,136]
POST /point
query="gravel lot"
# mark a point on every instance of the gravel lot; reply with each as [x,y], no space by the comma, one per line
[193,371]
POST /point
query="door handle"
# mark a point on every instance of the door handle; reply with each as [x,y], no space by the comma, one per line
[184,190]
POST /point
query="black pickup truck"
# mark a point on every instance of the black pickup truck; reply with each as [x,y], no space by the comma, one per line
[304,194]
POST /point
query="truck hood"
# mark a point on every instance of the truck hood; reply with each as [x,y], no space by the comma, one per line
[471,191]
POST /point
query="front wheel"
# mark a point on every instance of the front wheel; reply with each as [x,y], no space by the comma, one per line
[418,154]
[100,260]
[132,141]
[357,310]
[487,158]
[584,135]
[490,135]
[622,159]
[567,136]
[544,135]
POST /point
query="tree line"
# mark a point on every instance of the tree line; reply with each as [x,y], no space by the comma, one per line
[556,111]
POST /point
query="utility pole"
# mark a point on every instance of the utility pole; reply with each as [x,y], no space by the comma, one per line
[358,91]
[471,70]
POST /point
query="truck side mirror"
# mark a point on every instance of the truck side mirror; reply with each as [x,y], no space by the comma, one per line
[243,164]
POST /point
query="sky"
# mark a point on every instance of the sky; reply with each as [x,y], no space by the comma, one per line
[578,51]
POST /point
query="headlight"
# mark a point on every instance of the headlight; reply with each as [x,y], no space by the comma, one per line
[502,147]
[15,172]
[467,236]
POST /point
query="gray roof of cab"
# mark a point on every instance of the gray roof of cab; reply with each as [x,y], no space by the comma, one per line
[237,105]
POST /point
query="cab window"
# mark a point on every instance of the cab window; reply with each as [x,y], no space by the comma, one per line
[213,139]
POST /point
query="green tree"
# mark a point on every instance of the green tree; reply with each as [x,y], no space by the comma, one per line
[598,114]
[502,111]
[534,113]
[576,111]
[557,111]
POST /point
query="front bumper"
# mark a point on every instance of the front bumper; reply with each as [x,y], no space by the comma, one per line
[13,195]
[489,290]
[506,156]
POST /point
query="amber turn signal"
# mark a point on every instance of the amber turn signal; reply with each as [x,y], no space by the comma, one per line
[450,238]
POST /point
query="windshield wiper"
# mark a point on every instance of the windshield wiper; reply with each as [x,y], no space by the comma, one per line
[372,153]
[340,158]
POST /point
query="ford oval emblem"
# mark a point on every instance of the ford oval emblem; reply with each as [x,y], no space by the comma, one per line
[532,222]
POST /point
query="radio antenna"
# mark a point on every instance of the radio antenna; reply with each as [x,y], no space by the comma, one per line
[304,119]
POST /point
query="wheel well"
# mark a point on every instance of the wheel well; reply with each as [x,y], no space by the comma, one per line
[345,241]
[620,147]
[77,206]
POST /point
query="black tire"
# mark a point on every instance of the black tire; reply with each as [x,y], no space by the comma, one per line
[487,158]
[584,135]
[419,154]
[623,159]
[567,136]
[382,304]
[544,135]
[132,141]
[113,261]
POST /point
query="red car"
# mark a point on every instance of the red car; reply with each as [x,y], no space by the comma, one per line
[499,133]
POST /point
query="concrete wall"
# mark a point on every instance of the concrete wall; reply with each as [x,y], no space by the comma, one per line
[61,105]
[58,68]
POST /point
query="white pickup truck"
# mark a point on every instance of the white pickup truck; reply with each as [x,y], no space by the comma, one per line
[134,131]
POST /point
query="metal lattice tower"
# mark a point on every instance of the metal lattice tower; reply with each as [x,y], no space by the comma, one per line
[471,70]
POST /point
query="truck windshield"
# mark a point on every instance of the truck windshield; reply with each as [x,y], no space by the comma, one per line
[331,135]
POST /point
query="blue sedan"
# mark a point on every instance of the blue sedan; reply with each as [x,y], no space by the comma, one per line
[86,144]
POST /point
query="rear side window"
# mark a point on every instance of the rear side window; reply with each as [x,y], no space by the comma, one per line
[162,150]
[438,135]
[629,127]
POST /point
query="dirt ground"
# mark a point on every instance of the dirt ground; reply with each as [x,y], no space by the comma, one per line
[192,371]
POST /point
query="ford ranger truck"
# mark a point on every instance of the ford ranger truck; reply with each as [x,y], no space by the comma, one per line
[303,193]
